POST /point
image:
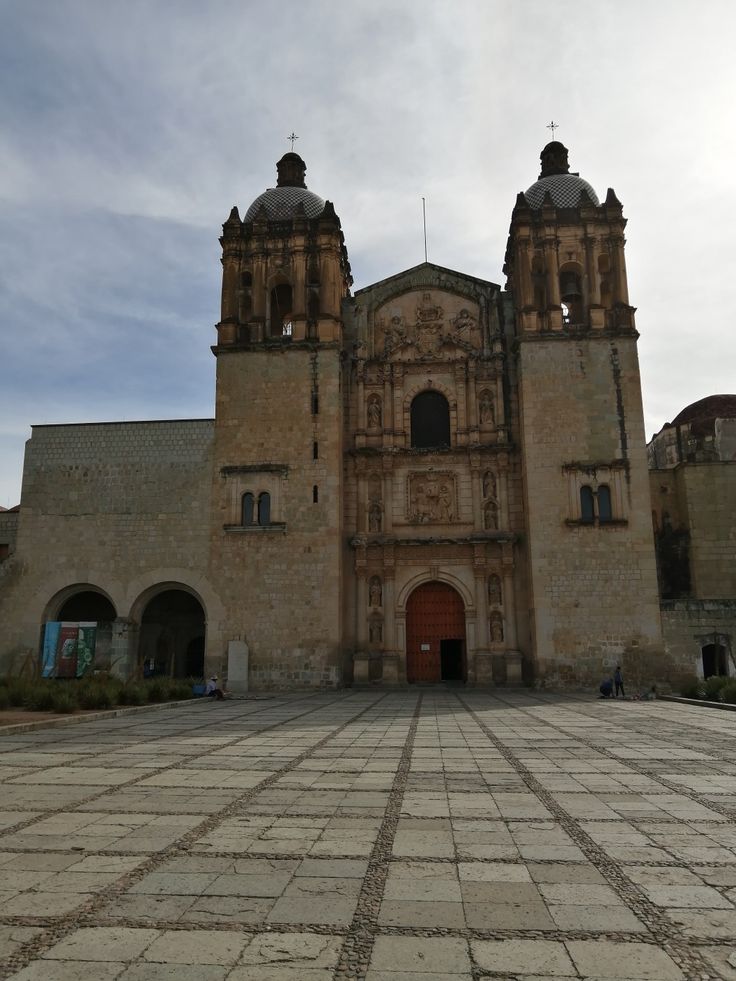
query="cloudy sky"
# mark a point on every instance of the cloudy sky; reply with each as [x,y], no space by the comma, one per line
[128,129]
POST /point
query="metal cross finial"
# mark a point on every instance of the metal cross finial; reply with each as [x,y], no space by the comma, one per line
[292,137]
[553,126]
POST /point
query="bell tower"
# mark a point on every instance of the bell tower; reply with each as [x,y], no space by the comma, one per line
[593,588]
[276,548]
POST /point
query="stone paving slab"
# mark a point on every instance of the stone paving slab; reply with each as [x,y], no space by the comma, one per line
[407,836]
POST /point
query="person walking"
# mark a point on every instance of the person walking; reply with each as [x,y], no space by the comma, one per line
[619,681]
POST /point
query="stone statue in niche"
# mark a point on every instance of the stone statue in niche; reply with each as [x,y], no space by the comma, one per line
[486,414]
[489,484]
[375,592]
[431,497]
[375,414]
[490,515]
[494,591]
[375,515]
[375,632]
[496,624]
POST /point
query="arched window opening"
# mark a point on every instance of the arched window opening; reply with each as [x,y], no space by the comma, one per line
[315,450]
[604,503]
[315,494]
[281,307]
[313,277]
[313,304]
[587,511]
[247,509]
[264,508]
[714,660]
[571,296]
[430,421]
[246,280]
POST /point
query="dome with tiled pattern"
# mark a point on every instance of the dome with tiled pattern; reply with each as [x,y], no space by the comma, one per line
[289,196]
[564,188]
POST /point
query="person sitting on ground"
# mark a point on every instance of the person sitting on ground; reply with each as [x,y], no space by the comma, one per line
[606,688]
[212,689]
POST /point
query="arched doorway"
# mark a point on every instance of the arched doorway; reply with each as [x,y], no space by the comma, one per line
[435,634]
[76,636]
[714,660]
[172,635]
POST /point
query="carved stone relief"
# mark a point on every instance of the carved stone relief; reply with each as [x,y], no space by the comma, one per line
[427,325]
[375,412]
[375,592]
[431,498]
[375,632]
[486,412]
[375,504]
[494,591]
[496,628]
[490,501]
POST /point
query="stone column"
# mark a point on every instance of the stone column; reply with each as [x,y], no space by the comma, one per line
[475,484]
[512,656]
[621,289]
[123,648]
[483,657]
[389,423]
[526,298]
[461,400]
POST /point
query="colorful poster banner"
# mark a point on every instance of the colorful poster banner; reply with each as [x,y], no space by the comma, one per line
[71,650]
[50,646]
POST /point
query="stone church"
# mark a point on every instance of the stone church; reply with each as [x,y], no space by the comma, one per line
[430,479]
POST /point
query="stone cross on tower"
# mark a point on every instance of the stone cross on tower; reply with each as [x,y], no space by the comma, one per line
[292,136]
[553,126]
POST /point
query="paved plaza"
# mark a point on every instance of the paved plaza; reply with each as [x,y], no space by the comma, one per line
[409,836]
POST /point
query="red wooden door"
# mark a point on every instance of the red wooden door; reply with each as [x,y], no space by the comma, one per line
[434,612]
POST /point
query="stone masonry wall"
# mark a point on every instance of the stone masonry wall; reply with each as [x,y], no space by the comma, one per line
[594,599]
[709,490]
[279,584]
[122,507]
[688,625]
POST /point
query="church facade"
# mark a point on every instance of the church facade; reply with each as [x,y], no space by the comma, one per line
[430,479]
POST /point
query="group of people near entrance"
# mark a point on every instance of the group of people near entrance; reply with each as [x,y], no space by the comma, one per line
[607,685]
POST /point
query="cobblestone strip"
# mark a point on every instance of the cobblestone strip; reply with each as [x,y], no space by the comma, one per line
[664,933]
[672,785]
[147,773]
[358,946]
[86,915]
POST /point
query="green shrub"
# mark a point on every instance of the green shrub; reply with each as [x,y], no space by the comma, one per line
[713,687]
[40,697]
[131,695]
[96,695]
[691,687]
[64,699]
[728,692]
[179,690]
[157,690]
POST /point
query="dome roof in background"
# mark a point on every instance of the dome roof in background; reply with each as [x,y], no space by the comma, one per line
[564,187]
[281,202]
[701,415]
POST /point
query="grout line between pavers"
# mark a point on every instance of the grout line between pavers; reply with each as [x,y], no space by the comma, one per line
[84,916]
[662,931]
[356,951]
